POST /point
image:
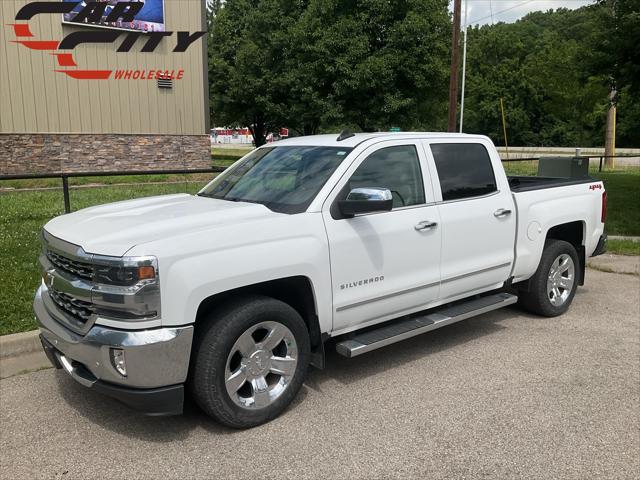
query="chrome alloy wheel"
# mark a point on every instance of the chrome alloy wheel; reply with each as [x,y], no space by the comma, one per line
[560,280]
[261,365]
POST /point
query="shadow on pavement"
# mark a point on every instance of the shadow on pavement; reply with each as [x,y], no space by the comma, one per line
[347,370]
[111,415]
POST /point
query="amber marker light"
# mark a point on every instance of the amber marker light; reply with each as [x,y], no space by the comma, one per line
[146,272]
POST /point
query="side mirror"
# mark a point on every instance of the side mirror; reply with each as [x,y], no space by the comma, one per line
[366,200]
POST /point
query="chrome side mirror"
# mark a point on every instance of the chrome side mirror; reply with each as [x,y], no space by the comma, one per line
[366,200]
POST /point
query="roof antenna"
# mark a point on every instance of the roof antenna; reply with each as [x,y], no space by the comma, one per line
[344,134]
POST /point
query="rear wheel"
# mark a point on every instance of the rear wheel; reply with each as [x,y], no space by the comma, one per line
[553,286]
[250,361]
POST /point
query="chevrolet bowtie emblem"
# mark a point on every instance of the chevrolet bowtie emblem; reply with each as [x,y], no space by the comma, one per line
[48,278]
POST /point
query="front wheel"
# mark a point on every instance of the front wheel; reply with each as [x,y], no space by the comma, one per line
[250,361]
[553,286]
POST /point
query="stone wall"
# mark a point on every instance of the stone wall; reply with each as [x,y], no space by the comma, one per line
[51,153]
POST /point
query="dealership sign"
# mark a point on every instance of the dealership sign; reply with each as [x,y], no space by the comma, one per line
[145,16]
[122,14]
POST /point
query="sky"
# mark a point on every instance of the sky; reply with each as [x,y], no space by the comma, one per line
[479,11]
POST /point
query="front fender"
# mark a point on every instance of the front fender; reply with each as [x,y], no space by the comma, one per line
[197,265]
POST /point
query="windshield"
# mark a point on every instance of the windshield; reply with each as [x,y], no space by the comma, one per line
[284,179]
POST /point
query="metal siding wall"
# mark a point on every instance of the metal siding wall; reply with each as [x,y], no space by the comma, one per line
[35,99]
[6,102]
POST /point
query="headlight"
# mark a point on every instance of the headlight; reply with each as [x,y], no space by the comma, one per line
[125,271]
[124,276]
[126,288]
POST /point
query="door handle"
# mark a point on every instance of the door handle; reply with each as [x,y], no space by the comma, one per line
[426,225]
[501,212]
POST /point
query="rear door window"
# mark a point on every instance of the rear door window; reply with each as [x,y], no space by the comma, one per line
[464,169]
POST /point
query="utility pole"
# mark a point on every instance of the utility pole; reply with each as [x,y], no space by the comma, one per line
[453,80]
[610,136]
[504,128]
[464,64]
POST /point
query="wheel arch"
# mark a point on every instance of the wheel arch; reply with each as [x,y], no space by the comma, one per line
[573,233]
[295,291]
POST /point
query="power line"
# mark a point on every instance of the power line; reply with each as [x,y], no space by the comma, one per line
[492,14]
[499,12]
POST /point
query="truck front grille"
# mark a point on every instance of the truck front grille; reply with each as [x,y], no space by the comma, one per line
[78,309]
[80,269]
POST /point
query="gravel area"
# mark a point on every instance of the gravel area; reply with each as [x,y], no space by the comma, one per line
[505,395]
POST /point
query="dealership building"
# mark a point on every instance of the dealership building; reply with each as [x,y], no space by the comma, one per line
[71,103]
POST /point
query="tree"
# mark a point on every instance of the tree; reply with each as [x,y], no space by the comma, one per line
[245,61]
[319,63]
[213,6]
[553,69]
[376,63]
[616,39]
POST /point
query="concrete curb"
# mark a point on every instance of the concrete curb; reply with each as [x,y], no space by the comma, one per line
[609,262]
[19,343]
[624,237]
[21,353]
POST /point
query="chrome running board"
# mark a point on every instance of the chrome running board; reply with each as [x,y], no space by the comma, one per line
[417,325]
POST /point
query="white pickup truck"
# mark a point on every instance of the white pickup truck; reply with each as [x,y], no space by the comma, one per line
[364,239]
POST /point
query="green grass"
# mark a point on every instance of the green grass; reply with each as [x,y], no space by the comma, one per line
[233,152]
[623,201]
[223,159]
[22,215]
[623,247]
[520,168]
[623,194]
[226,156]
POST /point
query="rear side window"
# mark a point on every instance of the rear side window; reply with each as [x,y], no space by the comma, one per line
[464,169]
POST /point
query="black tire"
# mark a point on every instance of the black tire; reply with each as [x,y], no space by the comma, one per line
[212,347]
[537,299]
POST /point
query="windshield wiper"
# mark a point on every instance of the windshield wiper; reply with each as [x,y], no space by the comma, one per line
[238,199]
[231,199]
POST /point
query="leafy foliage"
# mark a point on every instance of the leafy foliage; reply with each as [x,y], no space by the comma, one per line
[381,63]
[317,65]
[554,71]
[247,44]
[326,63]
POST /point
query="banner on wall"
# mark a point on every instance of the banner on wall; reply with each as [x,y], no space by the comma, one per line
[149,18]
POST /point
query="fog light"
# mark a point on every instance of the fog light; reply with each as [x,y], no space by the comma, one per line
[118,361]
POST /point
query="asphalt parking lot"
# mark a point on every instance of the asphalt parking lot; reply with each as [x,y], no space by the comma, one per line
[505,395]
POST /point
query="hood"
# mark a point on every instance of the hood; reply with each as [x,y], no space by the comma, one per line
[115,228]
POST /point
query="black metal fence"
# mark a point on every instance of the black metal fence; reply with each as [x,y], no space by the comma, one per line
[215,169]
[601,157]
[66,176]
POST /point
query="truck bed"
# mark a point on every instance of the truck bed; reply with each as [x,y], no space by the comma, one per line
[521,183]
[542,203]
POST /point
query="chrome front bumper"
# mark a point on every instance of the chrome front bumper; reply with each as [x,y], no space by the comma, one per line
[155,358]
